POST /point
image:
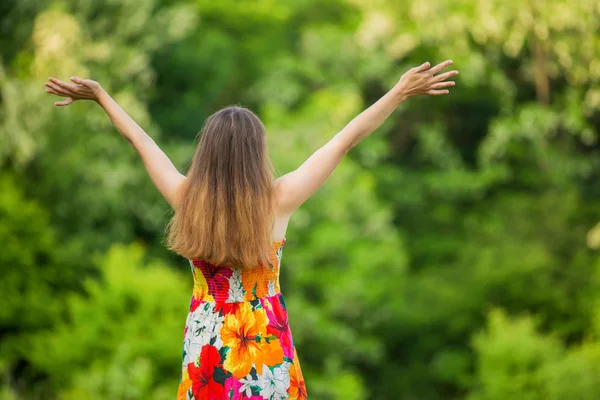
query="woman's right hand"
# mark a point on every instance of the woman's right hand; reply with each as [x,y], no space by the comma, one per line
[80,89]
[423,80]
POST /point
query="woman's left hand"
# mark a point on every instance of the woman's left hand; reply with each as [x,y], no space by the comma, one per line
[423,80]
[80,89]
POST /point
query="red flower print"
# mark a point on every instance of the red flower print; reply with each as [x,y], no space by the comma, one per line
[184,385]
[278,324]
[217,279]
[204,386]
[194,303]
[227,308]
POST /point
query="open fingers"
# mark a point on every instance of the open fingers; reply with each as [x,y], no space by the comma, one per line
[440,66]
[83,82]
[441,85]
[78,80]
[55,89]
[52,91]
[65,86]
[437,92]
[445,75]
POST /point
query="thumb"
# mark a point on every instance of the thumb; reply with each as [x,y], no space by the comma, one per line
[65,102]
[80,81]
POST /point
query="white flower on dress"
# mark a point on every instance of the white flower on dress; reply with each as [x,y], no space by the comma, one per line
[273,384]
[246,383]
[206,326]
[236,290]
[272,288]
[285,372]
[187,342]
[193,353]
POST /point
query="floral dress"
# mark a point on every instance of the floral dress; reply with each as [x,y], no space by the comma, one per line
[237,341]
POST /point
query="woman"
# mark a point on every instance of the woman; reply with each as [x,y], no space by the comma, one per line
[230,221]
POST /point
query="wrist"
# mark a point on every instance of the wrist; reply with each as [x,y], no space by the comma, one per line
[399,93]
[101,96]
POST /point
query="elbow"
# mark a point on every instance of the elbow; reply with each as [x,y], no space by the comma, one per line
[349,147]
[342,147]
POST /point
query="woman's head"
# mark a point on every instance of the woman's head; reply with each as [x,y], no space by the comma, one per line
[225,212]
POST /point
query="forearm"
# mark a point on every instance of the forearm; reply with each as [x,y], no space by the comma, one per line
[160,168]
[163,173]
[370,119]
[126,126]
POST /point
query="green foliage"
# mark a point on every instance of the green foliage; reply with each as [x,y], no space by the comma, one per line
[512,356]
[516,361]
[482,200]
[126,314]
[576,375]
[28,275]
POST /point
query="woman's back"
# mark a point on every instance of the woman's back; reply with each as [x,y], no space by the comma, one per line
[237,340]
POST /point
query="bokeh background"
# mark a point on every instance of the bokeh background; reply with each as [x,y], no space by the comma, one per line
[453,254]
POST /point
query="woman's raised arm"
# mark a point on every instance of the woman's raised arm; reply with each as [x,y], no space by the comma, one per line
[163,173]
[297,186]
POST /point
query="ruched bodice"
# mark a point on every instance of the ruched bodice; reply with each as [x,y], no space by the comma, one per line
[222,284]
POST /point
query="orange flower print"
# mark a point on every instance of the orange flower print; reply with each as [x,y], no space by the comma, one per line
[297,389]
[184,386]
[242,332]
[272,353]
[253,280]
[263,280]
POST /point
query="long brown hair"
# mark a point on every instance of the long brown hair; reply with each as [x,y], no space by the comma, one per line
[226,210]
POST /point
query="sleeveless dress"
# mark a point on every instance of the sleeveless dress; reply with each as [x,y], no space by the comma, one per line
[237,340]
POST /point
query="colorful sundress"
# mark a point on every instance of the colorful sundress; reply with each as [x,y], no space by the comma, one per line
[237,341]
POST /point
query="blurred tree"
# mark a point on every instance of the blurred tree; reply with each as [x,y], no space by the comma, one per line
[479,200]
[28,278]
[117,340]
[516,361]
